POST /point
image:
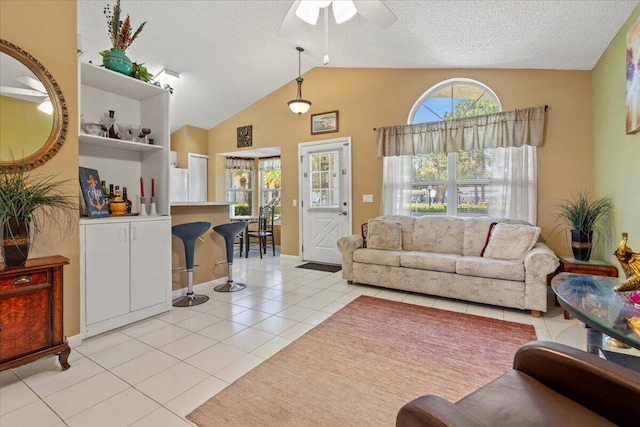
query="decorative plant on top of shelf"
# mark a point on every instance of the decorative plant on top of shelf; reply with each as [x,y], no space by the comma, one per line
[586,214]
[120,31]
[121,38]
[30,204]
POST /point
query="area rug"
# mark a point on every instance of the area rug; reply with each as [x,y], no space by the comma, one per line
[331,268]
[358,367]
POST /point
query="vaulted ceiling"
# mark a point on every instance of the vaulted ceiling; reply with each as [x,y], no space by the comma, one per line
[229,55]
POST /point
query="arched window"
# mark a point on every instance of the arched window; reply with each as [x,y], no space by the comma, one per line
[454,183]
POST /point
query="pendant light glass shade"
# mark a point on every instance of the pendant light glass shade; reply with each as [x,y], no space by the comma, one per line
[299,105]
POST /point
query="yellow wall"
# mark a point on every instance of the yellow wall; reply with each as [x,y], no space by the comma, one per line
[189,139]
[23,128]
[47,30]
[617,155]
[369,98]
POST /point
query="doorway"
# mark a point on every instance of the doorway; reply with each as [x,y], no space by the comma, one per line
[325,198]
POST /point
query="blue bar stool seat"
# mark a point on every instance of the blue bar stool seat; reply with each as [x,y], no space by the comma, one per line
[229,231]
[189,233]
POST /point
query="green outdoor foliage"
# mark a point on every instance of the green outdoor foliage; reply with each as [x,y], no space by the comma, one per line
[39,199]
[442,208]
[241,209]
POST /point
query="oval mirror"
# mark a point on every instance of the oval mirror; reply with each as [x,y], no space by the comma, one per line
[33,112]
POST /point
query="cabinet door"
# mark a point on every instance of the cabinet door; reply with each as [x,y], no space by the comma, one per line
[150,263]
[106,271]
[25,323]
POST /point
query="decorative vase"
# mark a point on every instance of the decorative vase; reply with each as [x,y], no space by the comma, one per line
[16,242]
[116,60]
[117,206]
[581,244]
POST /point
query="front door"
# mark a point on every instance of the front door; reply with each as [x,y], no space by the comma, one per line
[325,198]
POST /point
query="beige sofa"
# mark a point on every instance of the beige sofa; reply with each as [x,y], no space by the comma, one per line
[455,258]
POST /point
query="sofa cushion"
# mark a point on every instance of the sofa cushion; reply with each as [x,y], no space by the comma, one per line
[438,234]
[476,231]
[429,261]
[384,234]
[490,268]
[364,230]
[377,256]
[406,224]
[511,241]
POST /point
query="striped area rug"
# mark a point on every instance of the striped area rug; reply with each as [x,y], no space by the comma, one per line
[358,367]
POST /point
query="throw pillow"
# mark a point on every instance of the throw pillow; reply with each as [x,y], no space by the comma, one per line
[486,242]
[364,228]
[385,235]
[511,242]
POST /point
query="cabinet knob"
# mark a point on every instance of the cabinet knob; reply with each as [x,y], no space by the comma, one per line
[24,280]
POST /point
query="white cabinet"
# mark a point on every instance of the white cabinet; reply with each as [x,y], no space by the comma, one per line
[126,271]
[125,262]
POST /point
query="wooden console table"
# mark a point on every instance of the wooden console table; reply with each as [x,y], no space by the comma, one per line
[31,313]
[591,267]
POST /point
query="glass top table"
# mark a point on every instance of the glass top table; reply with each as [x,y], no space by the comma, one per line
[592,300]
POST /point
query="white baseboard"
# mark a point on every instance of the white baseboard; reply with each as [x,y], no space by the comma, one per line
[291,257]
[200,287]
[75,341]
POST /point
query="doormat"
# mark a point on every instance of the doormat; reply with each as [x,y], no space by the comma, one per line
[331,268]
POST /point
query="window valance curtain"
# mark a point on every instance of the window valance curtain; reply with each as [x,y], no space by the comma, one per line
[240,163]
[498,130]
[269,163]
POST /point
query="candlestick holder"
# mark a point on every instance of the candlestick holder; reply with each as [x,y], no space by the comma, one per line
[153,211]
[143,207]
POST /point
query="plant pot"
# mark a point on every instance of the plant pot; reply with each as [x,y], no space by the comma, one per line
[581,244]
[116,60]
[16,242]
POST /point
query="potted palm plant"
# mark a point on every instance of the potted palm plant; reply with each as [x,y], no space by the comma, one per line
[586,215]
[28,205]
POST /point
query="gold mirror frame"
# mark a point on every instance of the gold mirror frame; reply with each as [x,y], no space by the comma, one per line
[60,114]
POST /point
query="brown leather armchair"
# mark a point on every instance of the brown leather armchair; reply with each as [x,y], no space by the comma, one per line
[550,385]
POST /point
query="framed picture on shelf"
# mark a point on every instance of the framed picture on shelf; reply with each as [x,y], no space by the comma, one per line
[324,122]
[633,79]
[92,195]
[245,136]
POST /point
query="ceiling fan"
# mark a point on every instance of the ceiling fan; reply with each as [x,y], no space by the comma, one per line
[37,91]
[343,10]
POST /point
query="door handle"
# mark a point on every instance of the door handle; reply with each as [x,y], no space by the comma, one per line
[343,213]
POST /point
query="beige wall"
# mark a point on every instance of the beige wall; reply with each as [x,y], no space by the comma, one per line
[369,98]
[189,139]
[617,155]
[47,30]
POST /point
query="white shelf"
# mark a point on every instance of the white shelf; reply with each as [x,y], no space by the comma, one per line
[101,78]
[101,141]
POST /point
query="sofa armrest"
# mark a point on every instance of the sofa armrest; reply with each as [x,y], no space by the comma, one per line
[606,388]
[434,411]
[540,261]
[347,246]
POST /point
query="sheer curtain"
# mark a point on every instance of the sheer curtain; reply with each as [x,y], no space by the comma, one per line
[396,185]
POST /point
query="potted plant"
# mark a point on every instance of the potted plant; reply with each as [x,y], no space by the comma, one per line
[121,38]
[28,205]
[586,215]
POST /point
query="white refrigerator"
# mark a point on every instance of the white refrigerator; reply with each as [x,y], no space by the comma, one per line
[179,191]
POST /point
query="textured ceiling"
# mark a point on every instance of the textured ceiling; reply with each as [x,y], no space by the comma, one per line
[229,56]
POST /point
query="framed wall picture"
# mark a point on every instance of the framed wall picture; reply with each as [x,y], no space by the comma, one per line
[324,122]
[245,136]
[633,78]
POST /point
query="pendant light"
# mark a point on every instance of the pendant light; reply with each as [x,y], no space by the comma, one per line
[299,105]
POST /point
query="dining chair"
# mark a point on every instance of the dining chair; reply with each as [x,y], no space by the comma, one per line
[264,231]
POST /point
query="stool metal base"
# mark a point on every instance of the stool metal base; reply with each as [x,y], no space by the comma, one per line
[230,286]
[190,300]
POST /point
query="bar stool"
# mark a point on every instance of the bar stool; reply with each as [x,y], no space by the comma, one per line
[229,231]
[189,233]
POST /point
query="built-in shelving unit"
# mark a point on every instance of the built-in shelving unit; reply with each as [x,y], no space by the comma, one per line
[125,262]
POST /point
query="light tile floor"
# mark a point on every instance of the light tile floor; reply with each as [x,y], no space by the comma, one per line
[154,372]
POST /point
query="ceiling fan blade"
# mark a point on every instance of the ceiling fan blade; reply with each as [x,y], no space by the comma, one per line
[19,91]
[291,22]
[376,12]
[31,82]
